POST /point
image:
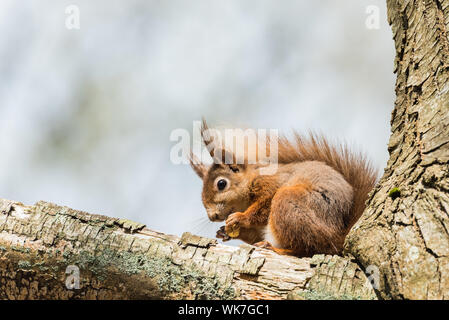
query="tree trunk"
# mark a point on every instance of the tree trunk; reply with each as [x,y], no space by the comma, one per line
[404,230]
[45,249]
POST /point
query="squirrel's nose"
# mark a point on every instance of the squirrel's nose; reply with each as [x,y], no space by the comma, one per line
[213,217]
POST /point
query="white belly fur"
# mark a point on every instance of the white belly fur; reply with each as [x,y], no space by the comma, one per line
[269,236]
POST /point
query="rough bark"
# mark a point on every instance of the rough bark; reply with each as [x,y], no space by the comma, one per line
[121,259]
[404,230]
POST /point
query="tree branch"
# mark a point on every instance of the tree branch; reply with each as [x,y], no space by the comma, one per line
[121,259]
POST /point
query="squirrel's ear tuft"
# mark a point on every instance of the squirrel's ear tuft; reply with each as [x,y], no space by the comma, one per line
[214,144]
[222,156]
[208,138]
[199,168]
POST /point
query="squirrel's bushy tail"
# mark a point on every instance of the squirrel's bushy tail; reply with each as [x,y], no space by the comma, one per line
[354,166]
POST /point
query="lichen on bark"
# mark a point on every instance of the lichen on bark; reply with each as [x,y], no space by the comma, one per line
[128,261]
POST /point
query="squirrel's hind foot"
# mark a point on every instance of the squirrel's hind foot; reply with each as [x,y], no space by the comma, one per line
[264,244]
[269,246]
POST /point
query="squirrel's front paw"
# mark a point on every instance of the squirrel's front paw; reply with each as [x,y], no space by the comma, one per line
[234,222]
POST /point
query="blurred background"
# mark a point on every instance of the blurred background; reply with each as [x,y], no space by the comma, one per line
[86,115]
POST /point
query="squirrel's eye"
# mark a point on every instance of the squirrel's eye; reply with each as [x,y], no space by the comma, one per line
[221,184]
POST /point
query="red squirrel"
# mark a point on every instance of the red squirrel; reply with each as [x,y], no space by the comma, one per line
[306,207]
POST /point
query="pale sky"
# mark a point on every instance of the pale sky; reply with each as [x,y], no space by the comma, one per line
[86,115]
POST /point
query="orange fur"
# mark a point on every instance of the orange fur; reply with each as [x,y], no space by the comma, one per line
[354,166]
[308,206]
[299,227]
